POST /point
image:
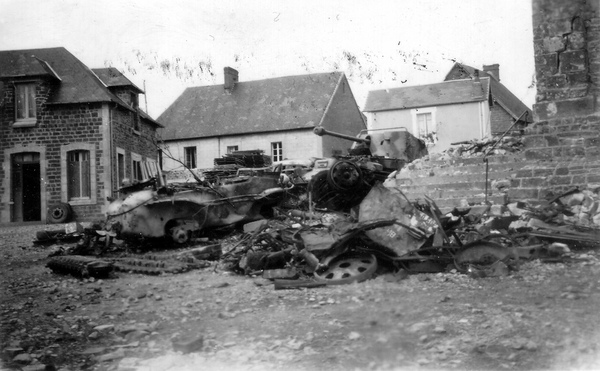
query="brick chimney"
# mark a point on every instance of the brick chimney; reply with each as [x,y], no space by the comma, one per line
[494,70]
[231,78]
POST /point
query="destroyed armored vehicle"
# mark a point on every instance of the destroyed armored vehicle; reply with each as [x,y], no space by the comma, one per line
[149,210]
[371,159]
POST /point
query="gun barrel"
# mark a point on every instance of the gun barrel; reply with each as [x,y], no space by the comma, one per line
[320,131]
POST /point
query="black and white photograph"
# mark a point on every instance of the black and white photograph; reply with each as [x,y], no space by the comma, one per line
[299,185]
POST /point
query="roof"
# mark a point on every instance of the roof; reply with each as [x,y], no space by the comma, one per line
[78,84]
[112,77]
[447,92]
[500,93]
[283,103]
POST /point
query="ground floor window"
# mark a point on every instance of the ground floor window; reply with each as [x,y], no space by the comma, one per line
[120,166]
[231,149]
[190,157]
[276,151]
[78,174]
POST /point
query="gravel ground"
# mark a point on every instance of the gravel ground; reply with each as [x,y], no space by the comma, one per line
[542,317]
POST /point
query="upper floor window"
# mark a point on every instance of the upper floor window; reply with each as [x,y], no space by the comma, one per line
[120,166]
[136,121]
[190,157]
[25,104]
[276,151]
[78,174]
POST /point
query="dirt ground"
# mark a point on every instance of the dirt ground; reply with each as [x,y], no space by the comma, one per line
[543,317]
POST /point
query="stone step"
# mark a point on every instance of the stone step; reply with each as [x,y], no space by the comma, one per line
[448,180]
[447,204]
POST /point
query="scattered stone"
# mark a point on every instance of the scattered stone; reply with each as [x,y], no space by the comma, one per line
[188,345]
[117,354]
[353,335]
[23,359]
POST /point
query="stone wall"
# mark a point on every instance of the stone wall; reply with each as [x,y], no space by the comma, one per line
[562,147]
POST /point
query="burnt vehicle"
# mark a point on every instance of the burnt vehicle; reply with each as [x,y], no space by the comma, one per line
[371,159]
[153,210]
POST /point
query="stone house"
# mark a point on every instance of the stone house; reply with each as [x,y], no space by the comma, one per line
[69,135]
[274,115]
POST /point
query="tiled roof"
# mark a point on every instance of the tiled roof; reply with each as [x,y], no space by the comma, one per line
[113,77]
[78,84]
[283,103]
[500,93]
[448,92]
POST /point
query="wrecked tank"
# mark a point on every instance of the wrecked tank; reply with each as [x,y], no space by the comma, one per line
[179,210]
[371,159]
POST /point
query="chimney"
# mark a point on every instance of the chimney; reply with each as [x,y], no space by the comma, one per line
[476,75]
[231,78]
[477,88]
[493,70]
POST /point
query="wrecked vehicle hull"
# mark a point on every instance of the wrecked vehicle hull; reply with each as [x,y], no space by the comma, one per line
[178,211]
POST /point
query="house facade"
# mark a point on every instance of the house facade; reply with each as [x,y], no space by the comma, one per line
[469,104]
[440,114]
[275,115]
[69,136]
[505,107]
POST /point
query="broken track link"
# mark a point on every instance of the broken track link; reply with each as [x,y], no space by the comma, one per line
[81,266]
[156,264]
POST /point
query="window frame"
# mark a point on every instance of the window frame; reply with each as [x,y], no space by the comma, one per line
[276,151]
[121,152]
[30,96]
[416,128]
[64,160]
[136,159]
[231,149]
[194,159]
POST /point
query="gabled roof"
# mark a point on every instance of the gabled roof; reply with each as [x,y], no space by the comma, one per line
[443,93]
[112,77]
[77,83]
[283,103]
[500,93]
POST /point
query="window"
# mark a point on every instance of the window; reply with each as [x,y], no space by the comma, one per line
[190,157]
[135,117]
[136,168]
[120,166]
[25,104]
[424,124]
[276,151]
[78,174]
[231,149]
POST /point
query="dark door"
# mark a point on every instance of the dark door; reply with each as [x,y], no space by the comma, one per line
[26,189]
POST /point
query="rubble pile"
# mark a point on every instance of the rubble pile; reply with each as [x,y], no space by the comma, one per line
[473,149]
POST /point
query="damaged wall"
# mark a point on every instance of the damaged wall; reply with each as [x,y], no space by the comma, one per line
[563,145]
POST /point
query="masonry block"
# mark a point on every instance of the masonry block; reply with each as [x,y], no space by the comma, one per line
[571,61]
[538,154]
[576,40]
[566,108]
[523,194]
[553,44]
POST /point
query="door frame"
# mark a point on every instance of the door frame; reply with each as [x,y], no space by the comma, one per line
[6,213]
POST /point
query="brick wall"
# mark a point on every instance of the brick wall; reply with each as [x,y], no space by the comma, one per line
[500,120]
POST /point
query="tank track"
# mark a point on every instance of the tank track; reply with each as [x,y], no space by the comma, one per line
[80,266]
[157,264]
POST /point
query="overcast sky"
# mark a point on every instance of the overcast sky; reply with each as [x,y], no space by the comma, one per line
[170,45]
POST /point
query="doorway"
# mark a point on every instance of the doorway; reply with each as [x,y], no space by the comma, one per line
[26,189]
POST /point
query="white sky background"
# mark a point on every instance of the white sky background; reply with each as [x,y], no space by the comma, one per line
[171,45]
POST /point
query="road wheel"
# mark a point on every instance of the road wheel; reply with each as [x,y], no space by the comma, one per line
[60,213]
